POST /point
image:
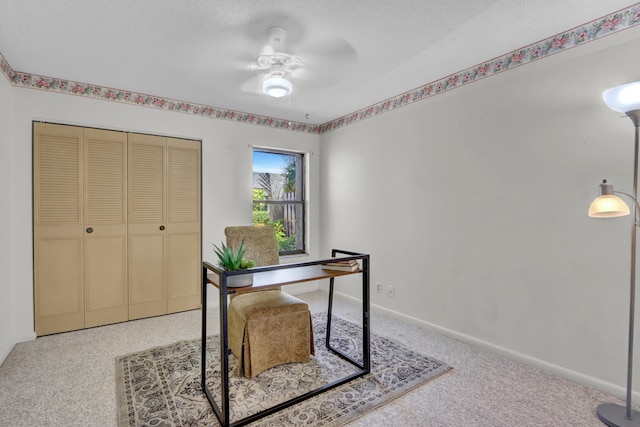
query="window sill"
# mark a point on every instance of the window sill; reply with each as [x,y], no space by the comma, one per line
[289,258]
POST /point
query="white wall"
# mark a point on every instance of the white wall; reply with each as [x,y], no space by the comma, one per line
[473,204]
[7,330]
[226,175]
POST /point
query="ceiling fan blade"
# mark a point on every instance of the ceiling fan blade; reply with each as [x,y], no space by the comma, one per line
[326,63]
[332,53]
[254,84]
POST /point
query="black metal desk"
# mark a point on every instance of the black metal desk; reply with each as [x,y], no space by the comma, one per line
[268,278]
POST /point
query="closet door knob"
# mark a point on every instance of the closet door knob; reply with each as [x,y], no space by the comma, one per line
[89,230]
[161,227]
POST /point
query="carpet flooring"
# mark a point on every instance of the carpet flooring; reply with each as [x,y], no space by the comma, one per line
[69,379]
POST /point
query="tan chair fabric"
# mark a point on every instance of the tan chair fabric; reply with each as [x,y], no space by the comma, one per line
[271,327]
[260,241]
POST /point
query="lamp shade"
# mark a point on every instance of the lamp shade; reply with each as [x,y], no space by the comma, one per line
[608,206]
[276,87]
[623,98]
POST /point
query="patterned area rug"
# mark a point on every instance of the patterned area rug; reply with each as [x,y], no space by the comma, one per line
[161,386]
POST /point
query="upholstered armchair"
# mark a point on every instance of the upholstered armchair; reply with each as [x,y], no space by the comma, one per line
[270,327]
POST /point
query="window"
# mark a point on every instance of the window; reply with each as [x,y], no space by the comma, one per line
[278,196]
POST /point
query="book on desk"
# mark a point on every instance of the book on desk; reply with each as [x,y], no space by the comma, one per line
[348,265]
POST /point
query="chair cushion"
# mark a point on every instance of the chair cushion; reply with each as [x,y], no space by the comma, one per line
[267,303]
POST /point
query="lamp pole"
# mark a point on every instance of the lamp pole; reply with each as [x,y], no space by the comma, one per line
[611,414]
[635,117]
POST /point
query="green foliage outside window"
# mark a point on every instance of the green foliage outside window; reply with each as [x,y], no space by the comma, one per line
[261,216]
[285,243]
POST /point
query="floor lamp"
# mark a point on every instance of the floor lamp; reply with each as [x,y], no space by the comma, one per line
[624,99]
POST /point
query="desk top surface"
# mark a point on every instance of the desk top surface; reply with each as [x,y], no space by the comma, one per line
[285,276]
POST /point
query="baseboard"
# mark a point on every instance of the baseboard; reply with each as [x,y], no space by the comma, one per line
[6,350]
[577,377]
[4,353]
[302,288]
[28,337]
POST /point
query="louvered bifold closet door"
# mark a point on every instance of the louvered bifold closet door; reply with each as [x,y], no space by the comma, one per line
[105,236]
[147,222]
[58,228]
[183,225]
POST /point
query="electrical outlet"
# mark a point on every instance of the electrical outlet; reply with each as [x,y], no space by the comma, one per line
[379,287]
[390,290]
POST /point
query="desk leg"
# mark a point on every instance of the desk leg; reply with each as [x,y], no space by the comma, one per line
[328,331]
[365,363]
[222,412]
[224,350]
[203,346]
[203,358]
[366,343]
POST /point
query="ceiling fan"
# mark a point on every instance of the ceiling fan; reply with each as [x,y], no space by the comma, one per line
[278,64]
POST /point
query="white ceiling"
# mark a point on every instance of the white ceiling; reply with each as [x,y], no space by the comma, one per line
[355,53]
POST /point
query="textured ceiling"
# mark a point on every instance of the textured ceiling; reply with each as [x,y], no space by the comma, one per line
[354,53]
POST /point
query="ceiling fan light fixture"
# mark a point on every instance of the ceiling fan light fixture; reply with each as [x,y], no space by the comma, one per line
[276,87]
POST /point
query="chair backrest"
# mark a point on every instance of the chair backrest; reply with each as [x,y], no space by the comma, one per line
[260,241]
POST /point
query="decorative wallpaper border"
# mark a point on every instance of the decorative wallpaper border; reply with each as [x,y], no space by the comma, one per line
[34,81]
[613,23]
[6,68]
[616,22]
